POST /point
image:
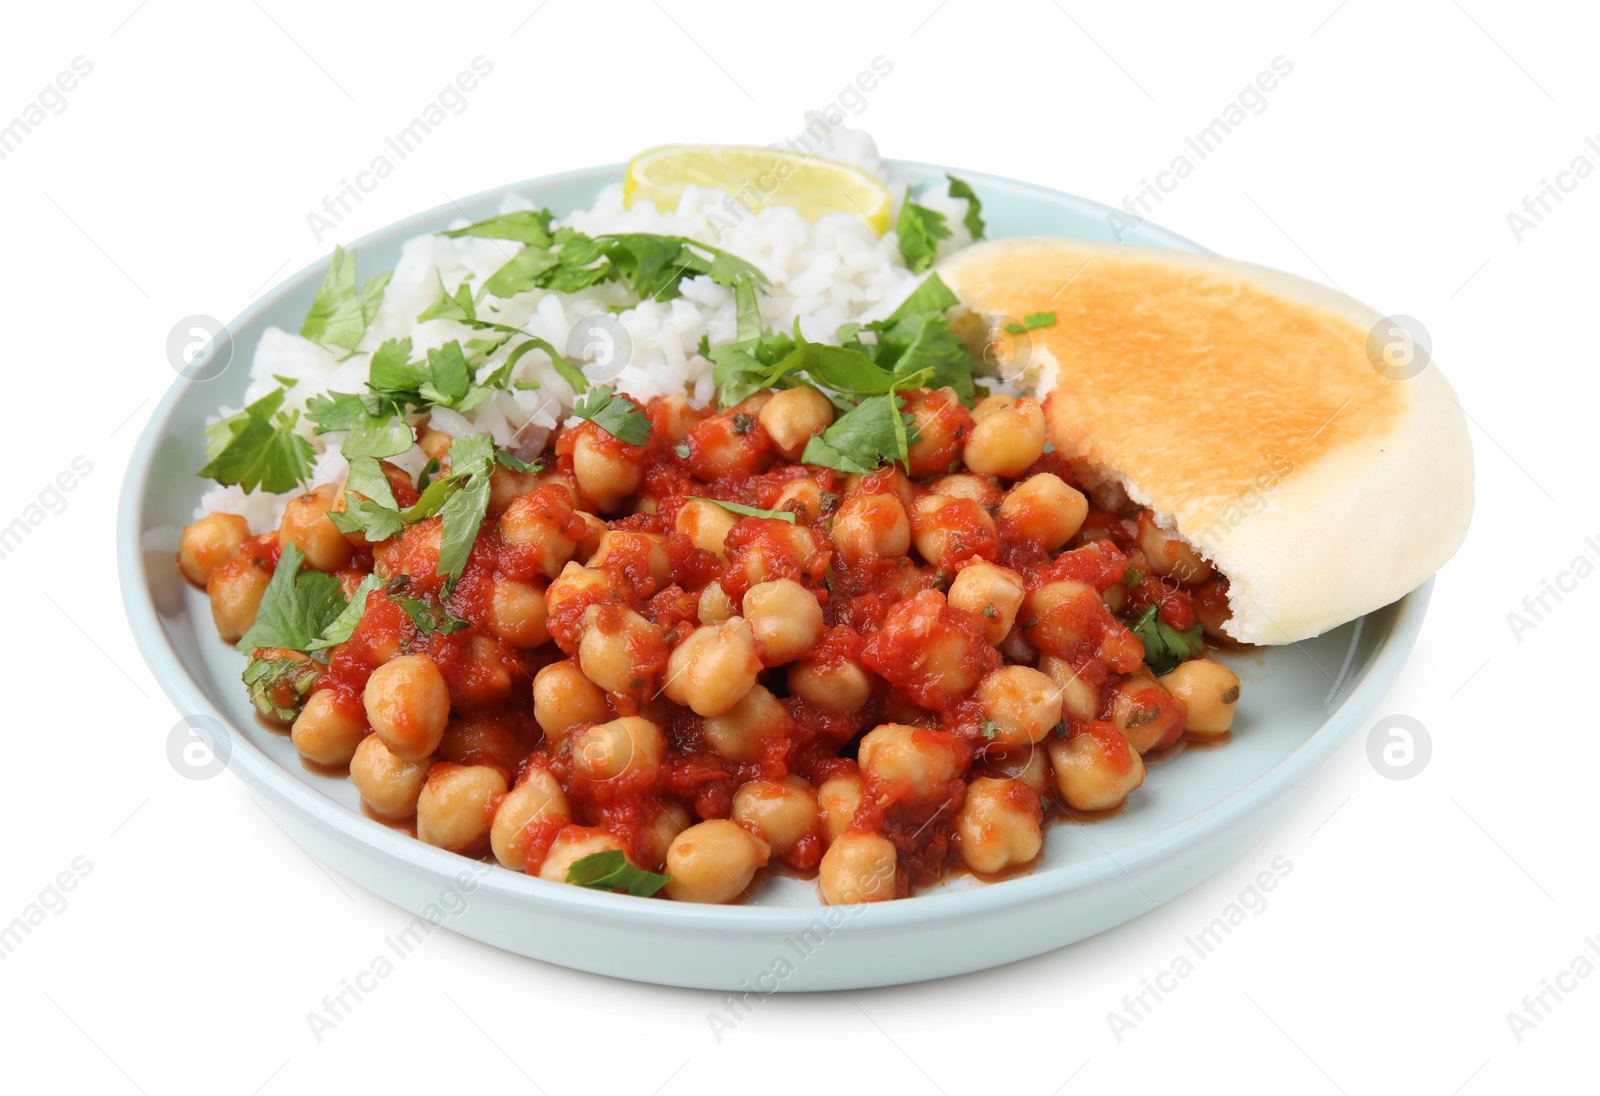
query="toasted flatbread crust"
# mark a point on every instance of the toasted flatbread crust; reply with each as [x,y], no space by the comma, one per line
[1240,404]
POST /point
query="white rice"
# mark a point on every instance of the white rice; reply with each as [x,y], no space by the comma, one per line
[833,272]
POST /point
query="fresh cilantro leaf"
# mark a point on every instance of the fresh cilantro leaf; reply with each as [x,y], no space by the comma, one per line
[749,511]
[1164,645]
[340,312]
[258,447]
[462,512]
[990,729]
[862,439]
[655,265]
[344,411]
[370,518]
[1031,322]
[932,295]
[278,686]
[748,310]
[459,306]
[920,229]
[568,370]
[516,463]
[616,415]
[527,270]
[973,220]
[1132,577]
[449,377]
[425,476]
[528,226]
[428,616]
[344,625]
[610,870]
[365,448]
[296,607]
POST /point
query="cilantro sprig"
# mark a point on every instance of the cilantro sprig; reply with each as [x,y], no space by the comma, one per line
[616,415]
[296,608]
[1164,645]
[920,229]
[877,430]
[258,447]
[341,310]
[1032,322]
[974,218]
[610,870]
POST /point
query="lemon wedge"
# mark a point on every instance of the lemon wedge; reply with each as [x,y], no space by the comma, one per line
[758,177]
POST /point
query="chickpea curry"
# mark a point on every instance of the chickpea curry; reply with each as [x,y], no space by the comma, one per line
[861,638]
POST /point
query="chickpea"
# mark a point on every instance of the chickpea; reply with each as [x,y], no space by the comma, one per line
[577,585]
[209,543]
[328,729]
[998,827]
[563,698]
[983,490]
[625,549]
[707,525]
[603,473]
[804,499]
[838,800]
[235,589]
[1045,508]
[1209,690]
[1080,700]
[609,650]
[408,706]
[781,812]
[785,617]
[1145,712]
[517,614]
[792,416]
[1095,767]
[1022,705]
[572,844]
[1006,439]
[737,733]
[836,685]
[506,485]
[671,819]
[680,418]
[488,673]
[542,522]
[628,747]
[306,523]
[1060,617]
[1170,556]
[1029,766]
[871,526]
[888,480]
[714,605]
[948,531]
[481,740]
[942,425]
[713,667]
[993,592]
[858,867]
[588,544]
[922,759]
[389,785]
[713,862]
[537,799]
[455,808]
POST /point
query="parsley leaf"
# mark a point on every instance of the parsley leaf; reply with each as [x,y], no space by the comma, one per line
[862,439]
[258,447]
[616,415]
[931,295]
[365,448]
[920,229]
[990,729]
[460,306]
[748,511]
[610,870]
[528,226]
[372,519]
[973,220]
[296,607]
[655,265]
[462,513]
[1031,322]
[340,313]
[1164,645]
[516,463]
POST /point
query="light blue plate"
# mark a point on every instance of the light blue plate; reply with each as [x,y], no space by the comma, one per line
[1196,812]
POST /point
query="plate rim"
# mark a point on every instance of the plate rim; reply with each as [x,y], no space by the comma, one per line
[406,853]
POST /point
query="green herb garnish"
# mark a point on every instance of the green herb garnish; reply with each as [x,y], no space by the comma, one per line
[1164,645]
[920,229]
[974,219]
[610,870]
[748,511]
[258,447]
[340,313]
[1032,322]
[616,415]
[278,686]
[296,607]
[862,439]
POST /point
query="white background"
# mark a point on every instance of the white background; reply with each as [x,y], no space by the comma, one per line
[1418,913]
